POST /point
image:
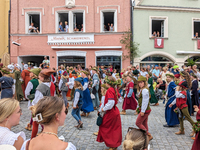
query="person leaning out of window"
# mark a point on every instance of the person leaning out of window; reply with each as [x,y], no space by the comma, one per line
[196,35]
[33,29]
[60,29]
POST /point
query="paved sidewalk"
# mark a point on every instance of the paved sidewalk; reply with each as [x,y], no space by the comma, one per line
[164,138]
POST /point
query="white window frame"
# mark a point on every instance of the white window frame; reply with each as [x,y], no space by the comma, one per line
[78,11]
[193,20]
[57,22]
[165,18]
[27,20]
[101,19]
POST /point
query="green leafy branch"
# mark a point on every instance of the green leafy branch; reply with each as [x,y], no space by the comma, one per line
[191,61]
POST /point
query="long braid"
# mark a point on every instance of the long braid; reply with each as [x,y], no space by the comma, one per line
[187,78]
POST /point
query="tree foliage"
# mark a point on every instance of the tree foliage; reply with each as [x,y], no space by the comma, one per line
[132,47]
[191,61]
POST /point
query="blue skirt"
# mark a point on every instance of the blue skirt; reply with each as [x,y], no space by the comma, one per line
[7,93]
[170,116]
[87,102]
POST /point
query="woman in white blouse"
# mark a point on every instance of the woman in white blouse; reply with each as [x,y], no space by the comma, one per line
[50,111]
[10,113]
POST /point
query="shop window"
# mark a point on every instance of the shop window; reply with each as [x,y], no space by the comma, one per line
[159,27]
[108,21]
[196,29]
[64,22]
[33,25]
[78,25]
[71,61]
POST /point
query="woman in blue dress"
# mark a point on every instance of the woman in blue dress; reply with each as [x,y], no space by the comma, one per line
[87,101]
[170,116]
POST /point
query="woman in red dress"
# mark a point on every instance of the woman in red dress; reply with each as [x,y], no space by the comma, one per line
[196,144]
[129,98]
[110,131]
[25,75]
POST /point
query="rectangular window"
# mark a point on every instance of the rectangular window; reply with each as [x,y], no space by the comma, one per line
[196,29]
[34,23]
[78,22]
[158,27]
[63,22]
[108,21]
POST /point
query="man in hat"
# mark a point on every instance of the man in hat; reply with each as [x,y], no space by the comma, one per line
[95,88]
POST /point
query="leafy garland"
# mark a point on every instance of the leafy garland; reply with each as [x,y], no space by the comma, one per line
[110,82]
[6,72]
[196,126]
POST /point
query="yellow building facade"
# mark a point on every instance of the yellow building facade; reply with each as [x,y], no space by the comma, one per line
[4,26]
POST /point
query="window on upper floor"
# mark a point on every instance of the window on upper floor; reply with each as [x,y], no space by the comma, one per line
[78,25]
[158,27]
[63,22]
[196,29]
[108,21]
[33,23]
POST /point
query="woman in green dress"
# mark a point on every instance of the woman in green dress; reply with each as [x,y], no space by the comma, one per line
[18,85]
[153,98]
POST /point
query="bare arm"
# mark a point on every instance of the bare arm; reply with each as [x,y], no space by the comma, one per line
[18,143]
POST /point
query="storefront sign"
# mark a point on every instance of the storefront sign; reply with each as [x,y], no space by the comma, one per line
[70,39]
[198,44]
[158,43]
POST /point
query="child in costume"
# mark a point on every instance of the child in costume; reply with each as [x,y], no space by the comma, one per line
[194,92]
[104,89]
[129,98]
[63,88]
[143,109]
[196,144]
[69,90]
[186,77]
[87,101]
[42,90]
[153,98]
[25,75]
[6,84]
[95,88]
[170,116]
[182,108]
[78,101]
[30,91]
[110,131]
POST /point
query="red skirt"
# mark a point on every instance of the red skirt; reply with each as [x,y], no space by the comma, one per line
[110,131]
[196,144]
[129,103]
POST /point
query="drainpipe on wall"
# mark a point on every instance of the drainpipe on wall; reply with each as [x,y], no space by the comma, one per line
[9,13]
[131,23]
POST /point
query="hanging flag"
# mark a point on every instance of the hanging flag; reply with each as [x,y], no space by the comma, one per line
[158,43]
[198,44]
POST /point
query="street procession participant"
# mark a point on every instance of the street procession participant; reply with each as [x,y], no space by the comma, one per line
[182,110]
[30,91]
[186,77]
[18,85]
[70,69]
[143,109]
[110,131]
[153,98]
[11,67]
[25,75]
[6,84]
[42,90]
[87,101]
[78,101]
[170,116]
[194,92]
[95,88]
[129,98]
[196,128]
[71,83]
[63,88]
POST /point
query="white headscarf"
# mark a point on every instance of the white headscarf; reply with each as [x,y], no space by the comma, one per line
[11,67]
[18,66]
[25,66]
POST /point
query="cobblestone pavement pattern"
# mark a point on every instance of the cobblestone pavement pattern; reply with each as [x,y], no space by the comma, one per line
[163,138]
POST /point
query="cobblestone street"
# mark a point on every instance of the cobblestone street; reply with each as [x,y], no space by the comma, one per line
[164,138]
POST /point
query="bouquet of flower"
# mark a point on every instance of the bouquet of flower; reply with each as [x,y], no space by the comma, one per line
[196,126]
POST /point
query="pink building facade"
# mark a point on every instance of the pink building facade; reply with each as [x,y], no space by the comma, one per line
[86,39]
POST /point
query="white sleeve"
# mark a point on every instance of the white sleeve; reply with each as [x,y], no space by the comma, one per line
[109,105]
[179,94]
[60,84]
[95,83]
[197,74]
[54,80]
[145,100]
[85,86]
[38,96]
[76,99]
[102,103]
[120,100]
[28,89]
